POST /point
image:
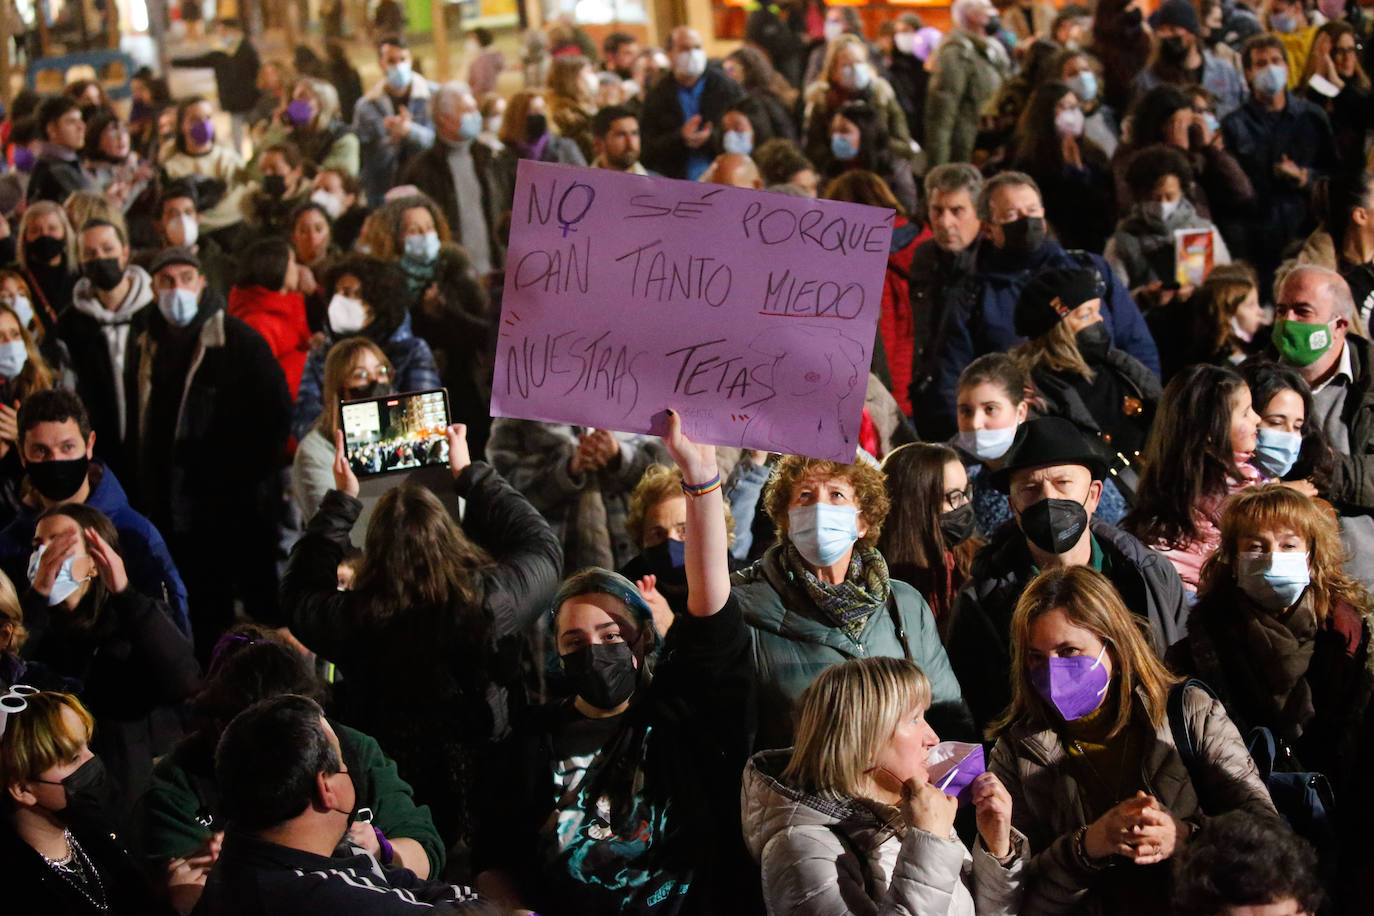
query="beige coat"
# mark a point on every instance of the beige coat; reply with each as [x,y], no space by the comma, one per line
[1048,808]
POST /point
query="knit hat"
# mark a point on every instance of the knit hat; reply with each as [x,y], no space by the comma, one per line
[1050,295]
[1178,13]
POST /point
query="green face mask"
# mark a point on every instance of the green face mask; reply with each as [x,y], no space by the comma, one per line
[1300,343]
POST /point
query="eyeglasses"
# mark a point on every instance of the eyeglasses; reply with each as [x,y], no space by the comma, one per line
[957,499]
[15,701]
[362,376]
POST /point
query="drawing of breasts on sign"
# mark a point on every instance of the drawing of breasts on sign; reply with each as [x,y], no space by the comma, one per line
[819,377]
[752,314]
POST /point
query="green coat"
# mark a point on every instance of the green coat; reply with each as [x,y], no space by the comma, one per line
[793,642]
[174,813]
[968,70]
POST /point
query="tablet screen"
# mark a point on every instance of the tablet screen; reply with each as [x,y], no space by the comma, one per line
[396,432]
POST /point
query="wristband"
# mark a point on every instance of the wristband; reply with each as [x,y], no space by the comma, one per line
[701,489]
[388,851]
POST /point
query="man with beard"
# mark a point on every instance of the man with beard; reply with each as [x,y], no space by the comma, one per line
[615,137]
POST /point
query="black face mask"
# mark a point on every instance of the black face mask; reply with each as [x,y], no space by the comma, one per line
[88,792]
[958,525]
[1093,342]
[993,27]
[536,125]
[1024,235]
[46,247]
[370,390]
[1054,525]
[58,481]
[1173,49]
[353,814]
[668,561]
[104,273]
[1131,19]
[604,675]
[274,185]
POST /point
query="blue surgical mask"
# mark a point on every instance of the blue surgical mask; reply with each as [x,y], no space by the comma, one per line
[63,584]
[179,306]
[1276,452]
[1213,124]
[13,356]
[821,533]
[1084,85]
[1283,23]
[1271,80]
[841,147]
[737,141]
[398,77]
[1274,581]
[470,125]
[423,248]
[986,444]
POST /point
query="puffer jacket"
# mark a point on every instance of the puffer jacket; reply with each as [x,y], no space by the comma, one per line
[793,643]
[966,73]
[1048,804]
[809,848]
[980,630]
[820,103]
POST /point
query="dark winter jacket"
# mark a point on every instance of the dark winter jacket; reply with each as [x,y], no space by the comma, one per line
[236,75]
[146,559]
[661,126]
[136,667]
[412,364]
[56,176]
[980,631]
[464,660]
[429,171]
[697,715]
[982,323]
[253,877]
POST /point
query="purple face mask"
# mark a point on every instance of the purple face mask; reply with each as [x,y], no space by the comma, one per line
[202,132]
[1074,686]
[299,112]
[24,159]
[953,766]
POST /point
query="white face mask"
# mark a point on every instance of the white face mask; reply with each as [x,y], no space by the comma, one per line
[856,76]
[690,64]
[494,124]
[346,316]
[1069,122]
[832,29]
[64,583]
[23,310]
[986,444]
[331,202]
[905,42]
[13,356]
[190,229]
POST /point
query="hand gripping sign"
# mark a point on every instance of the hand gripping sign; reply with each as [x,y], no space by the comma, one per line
[751,313]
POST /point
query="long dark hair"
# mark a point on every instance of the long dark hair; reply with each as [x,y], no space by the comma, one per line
[874,153]
[1188,462]
[1037,144]
[89,612]
[911,537]
[1152,111]
[417,560]
[1336,196]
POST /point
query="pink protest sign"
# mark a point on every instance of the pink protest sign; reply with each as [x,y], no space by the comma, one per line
[751,313]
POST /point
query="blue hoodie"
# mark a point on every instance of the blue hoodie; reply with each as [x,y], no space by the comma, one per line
[145,554]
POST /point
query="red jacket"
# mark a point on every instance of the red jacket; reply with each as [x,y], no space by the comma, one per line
[280,319]
[895,324]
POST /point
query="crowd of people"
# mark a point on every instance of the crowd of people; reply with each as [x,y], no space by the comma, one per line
[1108,541]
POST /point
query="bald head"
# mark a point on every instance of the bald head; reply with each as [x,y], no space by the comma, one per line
[735,170]
[1313,312]
[684,38]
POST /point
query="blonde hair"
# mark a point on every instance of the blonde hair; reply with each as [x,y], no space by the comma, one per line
[13,635]
[565,81]
[1056,351]
[1271,507]
[845,717]
[659,483]
[326,97]
[31,214]
[84,206]
[870,491]
[337,364]
[1090,601]
[832,51]
[37,739]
